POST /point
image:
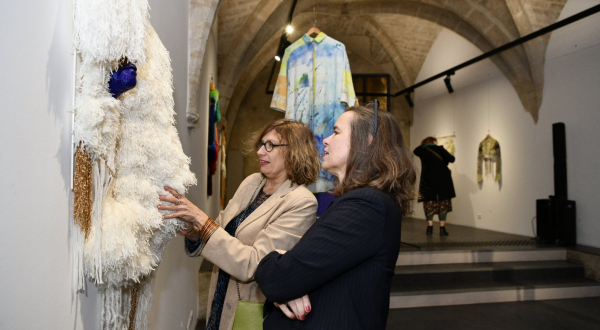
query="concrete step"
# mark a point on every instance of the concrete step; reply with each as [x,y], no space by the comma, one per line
[479,256]
[475,276]
[503,292]
[436,277]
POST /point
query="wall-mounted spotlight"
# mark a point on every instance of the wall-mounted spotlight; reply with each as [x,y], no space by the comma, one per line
[277,58]
[289,29]
[408,100]
[448,84]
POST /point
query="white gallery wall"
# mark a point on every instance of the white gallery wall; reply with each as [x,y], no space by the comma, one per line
[36,59]
[485,102]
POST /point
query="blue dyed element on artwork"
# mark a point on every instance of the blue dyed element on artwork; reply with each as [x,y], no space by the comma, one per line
[303,82]
[319,143]
[123,79]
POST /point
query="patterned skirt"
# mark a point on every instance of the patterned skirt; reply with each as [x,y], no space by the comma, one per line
[437,207]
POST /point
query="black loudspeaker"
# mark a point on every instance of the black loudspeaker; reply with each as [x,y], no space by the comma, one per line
[543,213]
[556,216]
[559,147]
[556,221]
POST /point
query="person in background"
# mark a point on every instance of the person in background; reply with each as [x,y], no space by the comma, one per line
[339,274]
[436,188]
[270,210]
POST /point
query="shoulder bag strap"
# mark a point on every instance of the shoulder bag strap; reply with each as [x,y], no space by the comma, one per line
[435,153]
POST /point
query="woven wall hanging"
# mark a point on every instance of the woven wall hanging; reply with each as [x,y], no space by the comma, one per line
[128,149]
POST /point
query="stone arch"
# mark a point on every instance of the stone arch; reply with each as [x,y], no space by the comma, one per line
[304,21]
[245,38]
[247,77]
[523,66]
[265,55]
[486,34]
[201,17]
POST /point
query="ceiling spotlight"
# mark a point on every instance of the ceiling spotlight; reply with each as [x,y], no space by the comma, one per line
[448,85]
[289,29]
[277,58]
[410,102]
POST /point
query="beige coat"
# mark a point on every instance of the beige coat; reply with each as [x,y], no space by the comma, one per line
[278,223]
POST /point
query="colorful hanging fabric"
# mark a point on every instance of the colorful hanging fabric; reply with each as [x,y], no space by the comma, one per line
[488,153]
[214,115]
[448,143]
[223,154]
[314,86]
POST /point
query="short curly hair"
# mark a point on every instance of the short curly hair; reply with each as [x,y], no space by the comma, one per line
[302,160]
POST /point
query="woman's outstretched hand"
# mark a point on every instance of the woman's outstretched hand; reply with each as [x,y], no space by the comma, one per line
[184,210]
[296,309]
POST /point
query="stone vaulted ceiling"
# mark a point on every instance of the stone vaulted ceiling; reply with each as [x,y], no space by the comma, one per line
[403,30]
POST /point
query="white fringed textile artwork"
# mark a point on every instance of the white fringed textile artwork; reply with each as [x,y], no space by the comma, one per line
[135,151]
[107,30]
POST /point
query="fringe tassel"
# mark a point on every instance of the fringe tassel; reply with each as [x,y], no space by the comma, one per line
[82,213]
[102,179]
[82,190]
[77,241]
[132,310]
[114,307]
[126,307]
[144,301]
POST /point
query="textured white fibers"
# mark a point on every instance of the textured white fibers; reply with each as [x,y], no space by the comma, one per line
[97,113]
[135,150]
[116,306]
[107,30]
[149,156]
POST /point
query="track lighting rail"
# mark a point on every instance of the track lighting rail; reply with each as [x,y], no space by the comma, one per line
[517,42]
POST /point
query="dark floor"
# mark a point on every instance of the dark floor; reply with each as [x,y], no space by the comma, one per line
[414,238]
[580,314]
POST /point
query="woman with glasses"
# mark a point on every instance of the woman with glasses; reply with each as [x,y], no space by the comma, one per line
[270,210]
[339,274]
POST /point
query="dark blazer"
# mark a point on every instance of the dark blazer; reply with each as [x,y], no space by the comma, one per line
[436,177]
[345,262]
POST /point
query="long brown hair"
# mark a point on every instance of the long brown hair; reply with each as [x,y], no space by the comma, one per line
[302,161]
[382,163]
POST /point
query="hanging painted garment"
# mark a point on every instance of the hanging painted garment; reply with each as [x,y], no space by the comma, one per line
[489,152]
[448,143]
[314,85]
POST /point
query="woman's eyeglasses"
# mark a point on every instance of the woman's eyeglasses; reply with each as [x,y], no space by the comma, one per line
[375,103]
[268,145]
